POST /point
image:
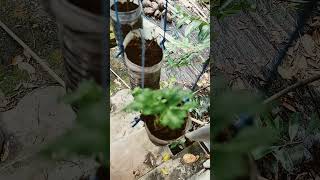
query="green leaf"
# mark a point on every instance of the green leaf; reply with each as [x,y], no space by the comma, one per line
[294,126]
[191,27]
[204,32]
[181,21]
[289,157]
[314,124]
[261,152]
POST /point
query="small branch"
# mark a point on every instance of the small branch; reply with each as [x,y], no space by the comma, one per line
[197,121]
[205,87]
[120,79]
[33,54]
[291,88]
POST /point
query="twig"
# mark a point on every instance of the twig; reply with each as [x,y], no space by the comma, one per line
[33,54]
[197,121]
[205,87]
[120,78]
[292,87]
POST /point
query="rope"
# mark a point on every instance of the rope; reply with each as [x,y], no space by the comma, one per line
[118,26]
[164,26]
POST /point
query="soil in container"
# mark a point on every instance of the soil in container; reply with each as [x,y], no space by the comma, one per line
[153,52]
[163,133]
[94,6]
[125,28]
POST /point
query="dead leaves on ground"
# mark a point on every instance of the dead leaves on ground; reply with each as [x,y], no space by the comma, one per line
[303,58]
[22,61]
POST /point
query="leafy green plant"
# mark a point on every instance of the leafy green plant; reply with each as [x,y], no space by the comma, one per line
[167,105]
[288,149]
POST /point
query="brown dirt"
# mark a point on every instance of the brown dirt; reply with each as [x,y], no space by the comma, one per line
[125,7]
[163,133]
[153,52]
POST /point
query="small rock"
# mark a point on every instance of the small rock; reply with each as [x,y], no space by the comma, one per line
[149,11]
[169,18]
[189,158]
[146,3]
[157,14]
[154,6]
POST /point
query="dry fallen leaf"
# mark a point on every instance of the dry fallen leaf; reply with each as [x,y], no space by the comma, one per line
[17,60]
[316,37]
[3,100]
[297,45]
[166,157]
[313,64]
[289,107]
[27,55]
[316,22]
[189,158]
[6,150]
[308,44]
[275,36]
[27,67]
[299,65]
[164,171]
[290,51]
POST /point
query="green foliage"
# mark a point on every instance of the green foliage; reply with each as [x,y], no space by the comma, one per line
[180,143]
[288,149]
[194,23]
[203,106]
[190,49]
[89,135]
[166,104]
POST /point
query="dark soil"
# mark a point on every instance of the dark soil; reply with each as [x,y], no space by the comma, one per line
[125,7]
[94,7]
[153,52]
[163,133]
